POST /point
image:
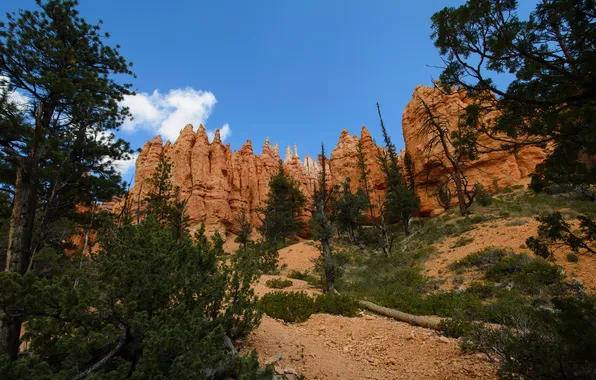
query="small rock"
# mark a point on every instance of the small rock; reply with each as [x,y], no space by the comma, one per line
[369,318]
[291,371]
[278,370]
[443,339]
[411,336]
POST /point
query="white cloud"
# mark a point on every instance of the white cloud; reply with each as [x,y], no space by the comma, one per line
[224,132]
[15,97]
[168,113]
[126,167]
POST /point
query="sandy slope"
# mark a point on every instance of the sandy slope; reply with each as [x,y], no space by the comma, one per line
[501,233]
[366,347]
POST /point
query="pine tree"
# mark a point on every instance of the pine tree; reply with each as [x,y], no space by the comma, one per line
[280,214]
[400,202]
[322,224]
[243,237]
[59,145]
[150,304]
[348,208]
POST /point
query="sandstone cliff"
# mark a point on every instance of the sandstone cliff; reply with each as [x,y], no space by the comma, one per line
[219,183]
[506,168]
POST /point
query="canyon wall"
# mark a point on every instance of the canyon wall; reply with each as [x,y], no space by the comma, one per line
[219,183]
[505,168]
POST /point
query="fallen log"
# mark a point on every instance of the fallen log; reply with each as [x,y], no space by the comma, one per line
[428,322]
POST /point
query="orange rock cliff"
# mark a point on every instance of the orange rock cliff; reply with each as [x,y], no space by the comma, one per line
[501,167]
[219,183]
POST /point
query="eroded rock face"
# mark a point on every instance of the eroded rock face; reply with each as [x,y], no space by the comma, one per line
[219,183]
[503,168]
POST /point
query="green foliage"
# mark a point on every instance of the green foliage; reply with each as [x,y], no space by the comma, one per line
[483,197]
[481,259]
[555,230]
[243,237]
[264,255]
[299,306]
[282,208]
[288,306]
[400,201]
[278,283]
[298,275]
[158,302]
[544,344]
[550,63]
[455,328]
[348,208]
[336,304]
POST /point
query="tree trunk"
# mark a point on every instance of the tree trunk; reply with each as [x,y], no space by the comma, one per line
[463,209]
[351,234]
[328,266]
[18,252]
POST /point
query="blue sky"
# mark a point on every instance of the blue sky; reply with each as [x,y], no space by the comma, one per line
[294,71]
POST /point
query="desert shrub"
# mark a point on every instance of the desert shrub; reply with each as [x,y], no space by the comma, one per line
[288,306]
[544,344]
[488,256]
[462,241]
[516,222]
[298,275]
[278,283]
[336,304]
[299,306]
[455,328]
[529,274]
[572,258]
[483,197]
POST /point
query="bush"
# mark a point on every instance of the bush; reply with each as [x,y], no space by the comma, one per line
[544,344]
[455,328]
[488,256]
[337,305]
[299,306]
[483,197]
[288,306]
[572,258]
[297,275]
[278,283]
[529,274]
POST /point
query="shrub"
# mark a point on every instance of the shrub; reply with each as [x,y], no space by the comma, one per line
[488,256]
[483,197]
[297,275]
[336,304]
[288,306]
[278,283]
[516,222]
[529,274]
[299,306]
[455,328]
[544,344]
[572,258]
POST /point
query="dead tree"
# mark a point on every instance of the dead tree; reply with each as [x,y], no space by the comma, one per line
[450,149]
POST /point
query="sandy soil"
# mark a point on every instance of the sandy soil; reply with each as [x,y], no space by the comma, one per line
[499,234]
[365,347]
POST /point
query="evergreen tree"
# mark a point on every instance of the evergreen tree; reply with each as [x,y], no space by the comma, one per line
[150,304]
[59,145]
[243,237]
[322,225]
[348,208]
[282,209]
[400,202]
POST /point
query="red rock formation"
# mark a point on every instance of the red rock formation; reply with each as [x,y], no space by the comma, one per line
[506,168]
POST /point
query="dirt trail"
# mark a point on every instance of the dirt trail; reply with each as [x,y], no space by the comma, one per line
[365,347]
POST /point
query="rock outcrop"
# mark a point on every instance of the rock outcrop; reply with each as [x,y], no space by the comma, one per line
[219,183]
[500,167]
